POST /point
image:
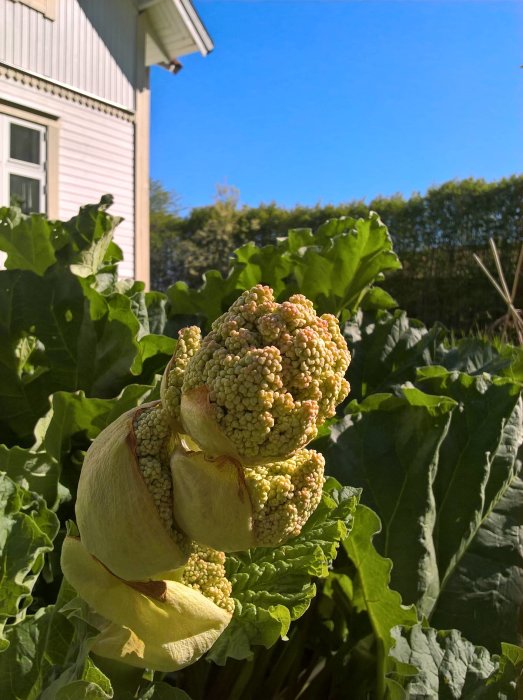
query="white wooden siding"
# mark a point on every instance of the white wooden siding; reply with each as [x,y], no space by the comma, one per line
[95,157]
[90,46]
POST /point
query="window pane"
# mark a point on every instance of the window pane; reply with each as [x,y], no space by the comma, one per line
[25,143]
[24,192]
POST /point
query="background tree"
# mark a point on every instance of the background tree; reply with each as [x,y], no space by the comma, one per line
[165,218]
[183,249]
[221,229]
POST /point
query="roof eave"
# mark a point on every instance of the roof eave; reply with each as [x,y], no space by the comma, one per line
[195,26]
[165,18]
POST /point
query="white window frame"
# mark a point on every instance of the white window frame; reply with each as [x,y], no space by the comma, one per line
[12,166]
[46,7]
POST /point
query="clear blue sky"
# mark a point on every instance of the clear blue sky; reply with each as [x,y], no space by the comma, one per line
[333,100]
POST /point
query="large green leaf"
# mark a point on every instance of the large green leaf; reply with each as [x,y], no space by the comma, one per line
[35,644]
[371,582]
[475,356]
[436,476]
[348,636]
[345,258]
[62,330]
[35,471]
[386,349]
[150,308]
[156,306]
[72,423]
[477,459]
[82,680]
[274,586]
[74,414]
[49,651]
[154,352]
[84,242]
[28,528]
[84,343]
[449,666]
[371,593]
[207,302]
[482,594]
[28,241]
[396,473]
[86,239]
[268,265]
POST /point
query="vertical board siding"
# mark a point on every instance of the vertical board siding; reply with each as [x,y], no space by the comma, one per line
[95,157]
[90,46]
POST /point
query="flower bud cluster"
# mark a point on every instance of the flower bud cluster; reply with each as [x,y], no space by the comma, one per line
[217,465]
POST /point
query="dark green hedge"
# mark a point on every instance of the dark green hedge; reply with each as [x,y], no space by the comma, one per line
[434,235]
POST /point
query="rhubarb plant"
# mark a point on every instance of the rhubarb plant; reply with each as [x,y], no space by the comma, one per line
[170,523]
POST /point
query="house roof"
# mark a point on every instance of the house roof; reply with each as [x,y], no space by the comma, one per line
[174,29]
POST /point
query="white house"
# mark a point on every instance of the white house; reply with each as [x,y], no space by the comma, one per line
[74,105]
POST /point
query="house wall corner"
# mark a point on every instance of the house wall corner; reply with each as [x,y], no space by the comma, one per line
[142,147]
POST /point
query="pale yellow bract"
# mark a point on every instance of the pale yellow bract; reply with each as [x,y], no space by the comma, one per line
[241,507]
[164,625]
[118,520]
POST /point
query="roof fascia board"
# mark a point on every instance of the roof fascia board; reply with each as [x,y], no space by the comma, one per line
[194,25]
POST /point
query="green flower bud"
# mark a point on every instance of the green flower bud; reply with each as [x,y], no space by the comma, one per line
[189,341]
[257,387]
